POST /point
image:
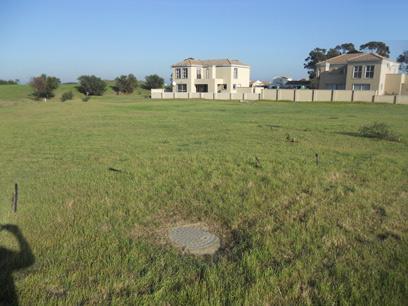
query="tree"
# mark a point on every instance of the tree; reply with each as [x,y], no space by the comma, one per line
[44,86]
[333,52]
[376,46]
[125,84]
[91,85]
[315,56]
[347,48]
[403,59]
[153,81]
[9,82]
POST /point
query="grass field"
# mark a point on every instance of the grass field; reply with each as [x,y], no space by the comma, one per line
[293,232]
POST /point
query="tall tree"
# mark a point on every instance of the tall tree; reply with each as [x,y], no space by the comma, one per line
[125,84]
[44,86]
[403,59]
[378,47]
[333,52]
[315,56]
[347,48]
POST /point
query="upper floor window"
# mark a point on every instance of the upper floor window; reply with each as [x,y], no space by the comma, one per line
[357,72]
[207,73]
[178,73]
[198,73]
[185,73]
[369,73]
[235,73]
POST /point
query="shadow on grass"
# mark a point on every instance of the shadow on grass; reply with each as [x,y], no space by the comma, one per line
[11,261]
[355,134]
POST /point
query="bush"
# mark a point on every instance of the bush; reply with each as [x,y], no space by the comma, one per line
[91,85]
[378,130]
[153,81]
[67,96]
[44,86]
[86,98]
[125,84]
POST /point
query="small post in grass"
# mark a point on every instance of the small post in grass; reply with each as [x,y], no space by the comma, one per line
[15,198]
[317,159]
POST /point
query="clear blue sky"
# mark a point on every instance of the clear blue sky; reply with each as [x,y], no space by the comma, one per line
[107,38]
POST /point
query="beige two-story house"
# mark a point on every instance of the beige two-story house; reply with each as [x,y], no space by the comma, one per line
[212,76]
[360,71]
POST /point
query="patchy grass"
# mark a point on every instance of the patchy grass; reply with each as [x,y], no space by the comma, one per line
[293,232]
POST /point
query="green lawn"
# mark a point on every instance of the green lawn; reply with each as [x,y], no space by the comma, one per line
[293,232]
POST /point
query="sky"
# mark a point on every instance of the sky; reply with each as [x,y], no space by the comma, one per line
[109,38]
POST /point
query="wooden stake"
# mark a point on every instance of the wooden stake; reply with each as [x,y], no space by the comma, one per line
[15,198]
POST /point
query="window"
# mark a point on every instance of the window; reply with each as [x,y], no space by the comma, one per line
[369,73]
[332,86]
[178,73]
[181,87]
[199,73]
[185,73]
[201,87]
[207,73]
[357,72]
[361,86]
[234,86]
[235,73]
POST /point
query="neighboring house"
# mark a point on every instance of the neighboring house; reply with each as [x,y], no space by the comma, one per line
[279,81]
[259,84]
[361,71]
[213,76]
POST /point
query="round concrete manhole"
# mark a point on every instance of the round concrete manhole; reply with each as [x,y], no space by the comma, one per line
[194,240]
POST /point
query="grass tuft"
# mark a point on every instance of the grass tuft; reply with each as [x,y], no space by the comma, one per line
[378,130]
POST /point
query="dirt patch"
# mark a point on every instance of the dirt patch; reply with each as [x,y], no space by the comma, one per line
[234,242]
[334,176]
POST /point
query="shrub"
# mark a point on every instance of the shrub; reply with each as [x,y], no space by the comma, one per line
[125,84]
[44,86]
[67,96]
[378,130]
[153,81]
[86,98]
[91,85]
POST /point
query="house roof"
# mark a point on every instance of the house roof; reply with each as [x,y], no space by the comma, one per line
[212,62]
[353,57]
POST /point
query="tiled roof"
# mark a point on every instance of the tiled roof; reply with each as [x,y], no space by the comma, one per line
[215,62]
[368,57]
[353,57]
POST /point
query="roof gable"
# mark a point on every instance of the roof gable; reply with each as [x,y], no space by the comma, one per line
[343,59]
[213,62]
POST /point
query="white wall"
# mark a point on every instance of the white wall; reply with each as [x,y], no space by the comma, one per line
[288,95]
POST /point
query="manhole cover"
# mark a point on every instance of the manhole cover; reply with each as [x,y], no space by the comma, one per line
[194,240]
